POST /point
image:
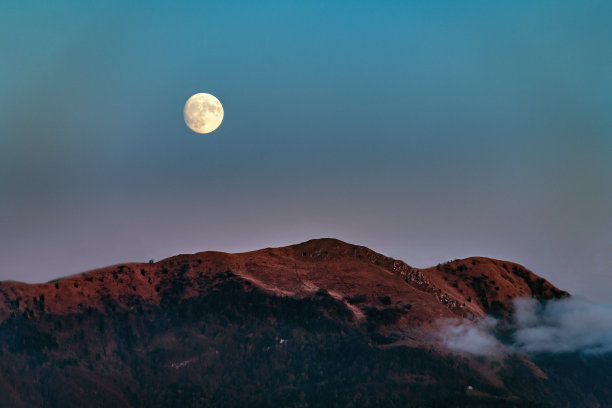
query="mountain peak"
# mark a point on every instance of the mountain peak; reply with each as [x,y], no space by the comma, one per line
[355,275]
[141,331]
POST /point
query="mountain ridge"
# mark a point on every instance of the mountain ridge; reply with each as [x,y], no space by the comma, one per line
[475,286]
[319,323]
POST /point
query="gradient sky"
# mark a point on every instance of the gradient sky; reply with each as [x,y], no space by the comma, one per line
[427,131]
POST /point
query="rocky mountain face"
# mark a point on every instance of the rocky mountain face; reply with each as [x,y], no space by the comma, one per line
[322,323]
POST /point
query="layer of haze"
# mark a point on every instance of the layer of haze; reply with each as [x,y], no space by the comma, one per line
[427,131]
[570,325]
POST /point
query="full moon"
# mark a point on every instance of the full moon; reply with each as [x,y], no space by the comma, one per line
[203,113]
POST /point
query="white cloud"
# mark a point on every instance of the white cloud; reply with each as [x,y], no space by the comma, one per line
[463,336]
[556,326]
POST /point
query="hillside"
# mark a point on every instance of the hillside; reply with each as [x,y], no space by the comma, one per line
[472,286]
[322,323]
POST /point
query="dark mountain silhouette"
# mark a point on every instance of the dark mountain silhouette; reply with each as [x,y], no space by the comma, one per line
[322,323]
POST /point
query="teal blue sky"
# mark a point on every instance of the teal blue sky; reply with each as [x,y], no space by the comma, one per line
[427,131]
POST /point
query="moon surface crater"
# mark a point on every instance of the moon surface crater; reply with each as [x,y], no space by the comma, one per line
[203,113]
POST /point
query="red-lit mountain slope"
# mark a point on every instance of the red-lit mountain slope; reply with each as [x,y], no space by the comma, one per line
[321,323]
[472,286]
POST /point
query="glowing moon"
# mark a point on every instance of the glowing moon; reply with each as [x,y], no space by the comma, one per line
[203,113]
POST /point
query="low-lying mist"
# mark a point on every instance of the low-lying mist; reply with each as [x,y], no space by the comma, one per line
[556,326]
